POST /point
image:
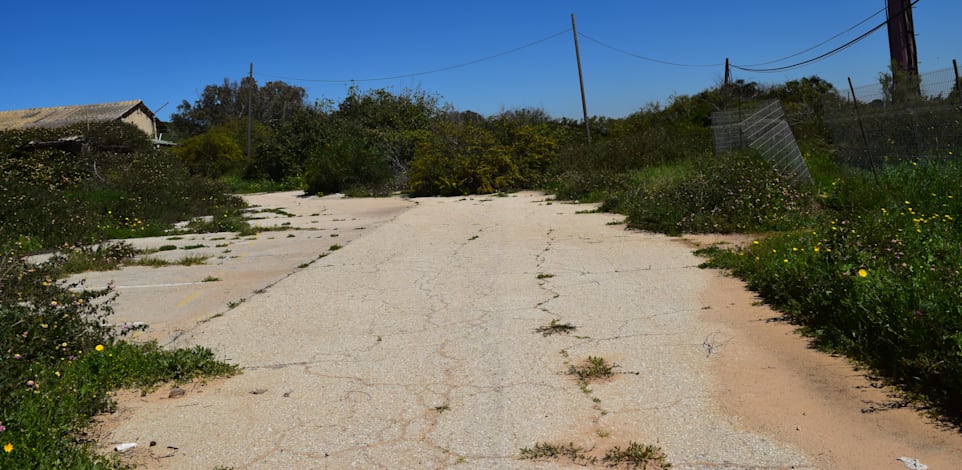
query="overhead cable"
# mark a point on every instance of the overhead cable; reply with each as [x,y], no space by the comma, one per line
[827,54]
[860,23]
[649,59]
[426,72]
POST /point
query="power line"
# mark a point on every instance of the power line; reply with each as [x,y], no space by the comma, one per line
[825,55]
[427,72]
[860,23]
[649,59]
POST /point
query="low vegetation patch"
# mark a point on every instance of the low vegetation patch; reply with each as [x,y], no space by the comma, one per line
[59,359]
[634,456]
[734,193]
[555,327]
[878,278]
[594,368]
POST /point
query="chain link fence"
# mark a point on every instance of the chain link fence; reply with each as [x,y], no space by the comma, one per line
[761,126]
[883,122]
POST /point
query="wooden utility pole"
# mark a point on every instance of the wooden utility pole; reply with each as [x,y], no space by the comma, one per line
[581,81]
[902,42]
[728,72]
[250,109]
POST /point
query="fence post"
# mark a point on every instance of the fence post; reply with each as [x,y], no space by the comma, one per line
[958,83]
[861,127]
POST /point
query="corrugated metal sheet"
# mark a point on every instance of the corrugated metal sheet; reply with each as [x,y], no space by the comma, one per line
[60,116]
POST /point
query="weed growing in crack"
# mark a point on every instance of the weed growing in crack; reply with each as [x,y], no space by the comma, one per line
[335,247]
[233,304]
[643,456]
[637,456]
[594,368]
[442,408]
[545,276]
[555,328]
[545,450]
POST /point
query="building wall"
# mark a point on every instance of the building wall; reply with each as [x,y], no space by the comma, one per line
[142,121]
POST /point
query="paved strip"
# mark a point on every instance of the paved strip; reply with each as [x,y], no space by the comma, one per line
[414,346]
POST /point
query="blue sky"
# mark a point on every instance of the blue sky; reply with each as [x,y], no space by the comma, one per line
[61,53]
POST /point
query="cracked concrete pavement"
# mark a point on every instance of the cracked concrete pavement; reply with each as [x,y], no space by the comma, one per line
[414,346]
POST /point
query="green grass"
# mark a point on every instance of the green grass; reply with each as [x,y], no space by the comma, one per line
[876,276]
[150,261]
[59,364]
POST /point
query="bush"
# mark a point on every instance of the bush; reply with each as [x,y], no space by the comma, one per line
[882,284]
[734,193]
[50,197]
[461,158]
[345,164]
[211,154]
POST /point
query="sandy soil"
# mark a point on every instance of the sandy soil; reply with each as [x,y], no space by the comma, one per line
[777,384]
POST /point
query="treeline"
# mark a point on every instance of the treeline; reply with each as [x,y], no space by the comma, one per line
[376,141]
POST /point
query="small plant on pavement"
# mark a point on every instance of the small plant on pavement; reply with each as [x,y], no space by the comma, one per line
[594,368]
[555,328]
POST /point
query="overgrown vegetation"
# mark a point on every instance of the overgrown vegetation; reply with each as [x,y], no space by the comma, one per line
[112,186]
[878,275]
[867,260]
[59,359]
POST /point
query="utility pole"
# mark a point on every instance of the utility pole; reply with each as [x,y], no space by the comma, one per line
[581,81]
[250,108]
[902,42]
[728,72]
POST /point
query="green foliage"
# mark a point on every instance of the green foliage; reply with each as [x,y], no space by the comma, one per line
[104,257]
[881,280]
[59,359]
[294,140]
[735,193]
[221,104]
[345,164]
[50,197]
[212,153]
[460,158]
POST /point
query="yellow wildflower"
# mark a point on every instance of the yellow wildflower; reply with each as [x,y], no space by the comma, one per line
[862,273]
[8,448]
[99,347]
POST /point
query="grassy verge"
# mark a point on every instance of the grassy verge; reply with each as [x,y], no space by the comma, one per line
[878,276]
[59,359]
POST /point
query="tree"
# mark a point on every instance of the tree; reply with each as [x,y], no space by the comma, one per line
[392,123]
[218,104]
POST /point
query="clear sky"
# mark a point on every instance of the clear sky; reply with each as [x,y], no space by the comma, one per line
[61,53]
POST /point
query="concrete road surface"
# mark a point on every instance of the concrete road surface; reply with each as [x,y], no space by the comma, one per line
[424,342]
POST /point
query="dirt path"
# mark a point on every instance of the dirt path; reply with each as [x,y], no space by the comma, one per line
[415,346]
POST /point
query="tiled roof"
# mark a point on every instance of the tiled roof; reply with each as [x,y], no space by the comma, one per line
[60,116]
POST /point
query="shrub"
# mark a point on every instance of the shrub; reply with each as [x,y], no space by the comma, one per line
[212,153]
[883,284]
[344,164]
[461,158]
[735,193]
